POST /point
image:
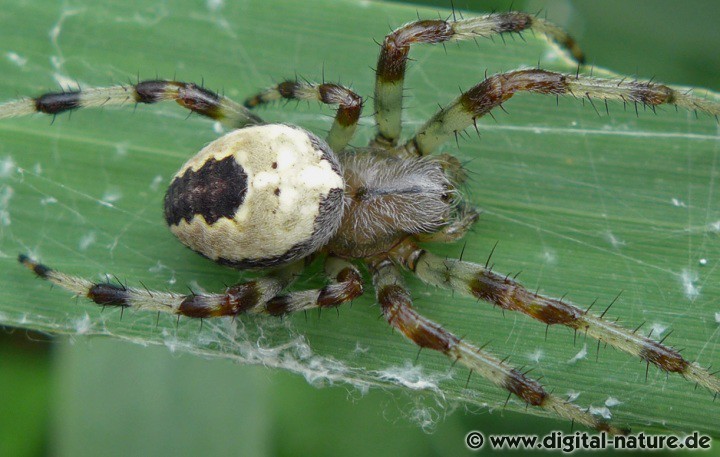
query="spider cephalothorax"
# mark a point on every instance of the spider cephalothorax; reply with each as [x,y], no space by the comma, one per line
[277,197]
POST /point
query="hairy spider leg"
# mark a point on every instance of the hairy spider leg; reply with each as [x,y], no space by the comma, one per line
[346,118]
[392,62]
[258,296]
[345,285]
[480,282]
[188,95]
[496,89]
[397,308]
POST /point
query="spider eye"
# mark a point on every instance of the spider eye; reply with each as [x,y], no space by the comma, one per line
[257,197]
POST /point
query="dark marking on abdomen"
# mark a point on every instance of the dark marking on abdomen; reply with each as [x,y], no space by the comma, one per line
[214,191]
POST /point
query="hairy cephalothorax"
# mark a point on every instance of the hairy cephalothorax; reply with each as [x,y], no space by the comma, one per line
[387,197]
[276,197]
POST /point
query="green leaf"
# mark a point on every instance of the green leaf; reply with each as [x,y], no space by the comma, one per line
[581,203]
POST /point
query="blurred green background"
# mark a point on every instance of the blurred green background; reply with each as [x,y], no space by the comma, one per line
[55,393]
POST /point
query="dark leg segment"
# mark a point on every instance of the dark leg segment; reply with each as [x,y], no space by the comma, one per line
[397,309]
[190,96]
[348,112]
[479,282]
[497,89]
[392,62]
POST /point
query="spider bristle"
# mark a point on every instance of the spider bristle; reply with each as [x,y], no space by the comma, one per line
[611,304]
[146,289]
[507,400]
[467,381]
[666,336]
[492,251]
[591,305]
[454,362]
[462,251]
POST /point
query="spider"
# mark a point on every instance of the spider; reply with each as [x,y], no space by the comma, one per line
[276,197]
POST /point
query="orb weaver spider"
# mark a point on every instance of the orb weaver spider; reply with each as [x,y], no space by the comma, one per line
[302,196]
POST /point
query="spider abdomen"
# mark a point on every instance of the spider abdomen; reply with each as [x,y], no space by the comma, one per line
[257,197]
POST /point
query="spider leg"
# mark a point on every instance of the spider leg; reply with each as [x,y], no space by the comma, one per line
[258,296]
[392,62]
[346,284]
[495,90]
[397,308]
[479,282]
[348,112]
[188,95]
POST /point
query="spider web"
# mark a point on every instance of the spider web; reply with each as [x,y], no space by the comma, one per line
[584,204]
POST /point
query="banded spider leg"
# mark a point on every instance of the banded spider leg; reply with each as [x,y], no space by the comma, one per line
[394,51]
[397,309]
[349,105]
[260,296]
